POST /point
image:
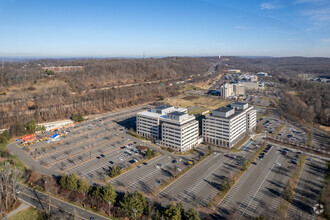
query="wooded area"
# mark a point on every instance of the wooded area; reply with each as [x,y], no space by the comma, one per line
[30,92]
[312,100]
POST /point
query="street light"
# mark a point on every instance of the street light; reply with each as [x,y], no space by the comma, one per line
[109,202]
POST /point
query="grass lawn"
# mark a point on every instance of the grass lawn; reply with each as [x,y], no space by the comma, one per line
[206,102]
[29,214]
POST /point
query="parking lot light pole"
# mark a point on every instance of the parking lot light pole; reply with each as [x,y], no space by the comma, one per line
[109,203]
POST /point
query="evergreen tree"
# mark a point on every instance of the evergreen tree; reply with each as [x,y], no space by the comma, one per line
[133,204]
[72,182]
[83,185]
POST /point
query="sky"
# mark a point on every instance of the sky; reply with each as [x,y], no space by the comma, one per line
[131,28]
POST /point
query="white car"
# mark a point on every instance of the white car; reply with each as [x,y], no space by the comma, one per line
[277,164]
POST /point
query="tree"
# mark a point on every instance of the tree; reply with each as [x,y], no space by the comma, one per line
[133,204]
[96,191]
[225,186]
[83,185]
[17,129]
[78,118]
[156,215]
[153,153]
[5,136]
[31,126]
[115,171]
[109,194]
[72,182]
[63,182]
[148,153]
[173,212]
[191,214]
[210,149]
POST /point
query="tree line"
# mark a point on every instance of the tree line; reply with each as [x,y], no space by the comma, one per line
[102,85]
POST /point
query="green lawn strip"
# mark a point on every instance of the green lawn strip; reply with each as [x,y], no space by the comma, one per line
[189,88]
[29,213]
[261,116]
[197,111]
[278,130]
[309,140]
[225,188]
[241,142]
[289,191]
[174,178]
[325,193]
[132,133]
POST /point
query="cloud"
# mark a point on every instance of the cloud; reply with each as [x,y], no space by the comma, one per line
[268,6]
[241,27]
[307,1]
[326,40]
[318,14]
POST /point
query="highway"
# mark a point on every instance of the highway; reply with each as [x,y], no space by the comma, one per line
[56,206]
[259,190]
[308,191]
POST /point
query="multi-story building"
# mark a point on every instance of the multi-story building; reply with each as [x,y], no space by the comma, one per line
[171,125]
[253,85]
[226,126]
[229,90]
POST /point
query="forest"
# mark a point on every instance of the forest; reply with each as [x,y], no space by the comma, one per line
[29,91]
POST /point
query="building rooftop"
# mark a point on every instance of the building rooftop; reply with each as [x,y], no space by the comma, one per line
[176,113]
[161,107]
[223,109]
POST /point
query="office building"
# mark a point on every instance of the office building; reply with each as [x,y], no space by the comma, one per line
[226,126]
[172,126]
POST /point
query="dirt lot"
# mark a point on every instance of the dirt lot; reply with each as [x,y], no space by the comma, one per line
[191,101]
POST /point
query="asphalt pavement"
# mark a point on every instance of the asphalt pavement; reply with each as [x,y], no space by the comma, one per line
[308,191]
[259,189]
[59,207]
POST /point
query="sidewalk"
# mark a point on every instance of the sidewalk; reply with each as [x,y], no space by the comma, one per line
[22,207]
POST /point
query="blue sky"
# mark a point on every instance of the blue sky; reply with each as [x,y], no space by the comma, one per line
[125,28]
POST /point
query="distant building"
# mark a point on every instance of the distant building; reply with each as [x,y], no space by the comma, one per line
[252,78]
[172,126]
[239,89]
[229,90]
[234,71]
[263,74]
[62,68]
[57,124]
[226,126]
[253,85]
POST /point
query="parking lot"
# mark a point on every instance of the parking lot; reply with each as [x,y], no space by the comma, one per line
[288,133]
[90,148]
[258,192]
[149,176]
[308,190]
